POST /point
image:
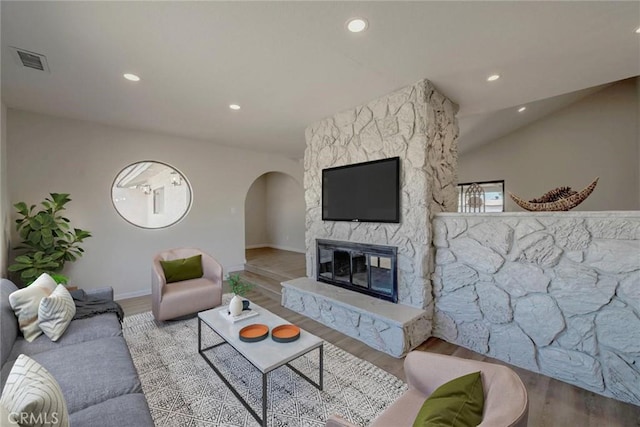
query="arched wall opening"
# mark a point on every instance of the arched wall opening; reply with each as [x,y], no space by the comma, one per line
[274,212]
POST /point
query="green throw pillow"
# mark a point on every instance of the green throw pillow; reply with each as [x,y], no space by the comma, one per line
[458,403]
[182,269]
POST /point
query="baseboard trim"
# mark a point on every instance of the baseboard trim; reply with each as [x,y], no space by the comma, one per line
[287,248]
[233,269]
[127,295]
[262,245]
[282,248]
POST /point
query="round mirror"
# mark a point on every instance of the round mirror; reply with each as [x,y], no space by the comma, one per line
[151,194]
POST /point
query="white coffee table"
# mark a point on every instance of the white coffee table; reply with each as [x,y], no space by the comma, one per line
[265,355]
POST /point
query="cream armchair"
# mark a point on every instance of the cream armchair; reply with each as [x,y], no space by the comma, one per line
[505,397]
[188,296]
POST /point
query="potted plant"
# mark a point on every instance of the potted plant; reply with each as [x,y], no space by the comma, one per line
[239,287]
[48,241]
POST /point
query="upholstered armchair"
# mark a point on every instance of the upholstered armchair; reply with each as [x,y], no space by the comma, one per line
[505,397]
[171,300]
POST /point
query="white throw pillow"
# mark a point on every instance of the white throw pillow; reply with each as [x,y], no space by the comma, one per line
[33,397]
[55,313]
[26,302]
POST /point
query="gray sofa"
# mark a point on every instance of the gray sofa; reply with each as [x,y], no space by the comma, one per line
[91,362]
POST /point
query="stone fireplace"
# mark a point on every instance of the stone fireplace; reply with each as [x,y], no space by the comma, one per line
[418,125]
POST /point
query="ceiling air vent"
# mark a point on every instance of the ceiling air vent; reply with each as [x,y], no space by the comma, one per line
[30,59]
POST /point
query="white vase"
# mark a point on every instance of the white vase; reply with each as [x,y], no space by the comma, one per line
[235,305]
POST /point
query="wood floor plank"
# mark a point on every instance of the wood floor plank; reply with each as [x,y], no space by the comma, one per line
[552,403]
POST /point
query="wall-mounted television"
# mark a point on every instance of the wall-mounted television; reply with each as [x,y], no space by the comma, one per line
[362,192]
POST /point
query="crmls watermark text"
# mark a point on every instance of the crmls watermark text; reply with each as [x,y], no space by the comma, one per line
[24,418]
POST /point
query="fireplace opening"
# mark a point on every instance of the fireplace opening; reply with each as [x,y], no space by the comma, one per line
[365,268]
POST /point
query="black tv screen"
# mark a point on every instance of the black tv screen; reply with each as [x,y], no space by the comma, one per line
[362,192]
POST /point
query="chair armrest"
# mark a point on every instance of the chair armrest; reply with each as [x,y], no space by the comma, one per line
[158,281]
[428,371]
[211,268]
[338,421]
[105,293]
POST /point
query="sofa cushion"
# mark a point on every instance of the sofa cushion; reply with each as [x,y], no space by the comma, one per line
[176,270]
[55,313]
[32,394]
[91,372]
[80,330]
[8,320]
[457,403]
[25,303]
[127,410]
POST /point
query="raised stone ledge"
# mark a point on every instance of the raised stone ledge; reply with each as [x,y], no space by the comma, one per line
[392,328]
[565,302]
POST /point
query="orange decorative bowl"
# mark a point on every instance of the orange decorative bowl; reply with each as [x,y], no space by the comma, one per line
[254,332]
[285,333]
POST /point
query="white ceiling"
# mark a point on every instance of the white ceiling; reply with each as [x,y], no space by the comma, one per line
[289,64]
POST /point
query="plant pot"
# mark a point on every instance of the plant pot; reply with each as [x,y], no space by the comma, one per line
[235,305]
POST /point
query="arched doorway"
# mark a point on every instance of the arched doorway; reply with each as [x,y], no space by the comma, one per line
[274,211]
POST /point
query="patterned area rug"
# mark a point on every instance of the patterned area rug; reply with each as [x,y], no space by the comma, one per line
[182,390]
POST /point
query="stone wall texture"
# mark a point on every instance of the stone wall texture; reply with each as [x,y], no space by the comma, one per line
[367,326]
[416,123]
[555,293]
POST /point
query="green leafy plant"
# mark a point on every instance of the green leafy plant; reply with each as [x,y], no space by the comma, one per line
[239,286]
[48,241]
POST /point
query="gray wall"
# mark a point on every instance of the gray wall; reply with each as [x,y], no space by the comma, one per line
[51,154]
[255,208]
[285,212]
[5,222]
[596,136]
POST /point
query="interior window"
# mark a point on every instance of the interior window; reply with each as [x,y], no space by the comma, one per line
[485,196]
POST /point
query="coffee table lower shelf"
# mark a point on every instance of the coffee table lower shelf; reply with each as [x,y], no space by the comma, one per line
[261,420]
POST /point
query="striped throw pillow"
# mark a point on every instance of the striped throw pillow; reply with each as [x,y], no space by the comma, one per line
[33,397]
[26,302]
[55,313]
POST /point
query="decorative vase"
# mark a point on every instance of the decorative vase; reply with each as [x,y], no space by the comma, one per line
[235,305]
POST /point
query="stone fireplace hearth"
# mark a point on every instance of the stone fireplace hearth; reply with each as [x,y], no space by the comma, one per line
[383,325]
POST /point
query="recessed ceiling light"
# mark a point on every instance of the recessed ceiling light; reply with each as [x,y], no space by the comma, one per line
[493,77]
[131,77]
[357,25]
[234,106]
[638,30]
[521,109]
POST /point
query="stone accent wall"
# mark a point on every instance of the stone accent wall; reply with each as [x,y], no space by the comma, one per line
[416,123]
[555,293]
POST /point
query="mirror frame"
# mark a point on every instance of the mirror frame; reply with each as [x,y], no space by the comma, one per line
[184,179]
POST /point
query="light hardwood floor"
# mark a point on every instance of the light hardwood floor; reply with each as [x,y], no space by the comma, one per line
[551,402]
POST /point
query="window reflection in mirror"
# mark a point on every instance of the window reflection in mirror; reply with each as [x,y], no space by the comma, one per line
[151,194]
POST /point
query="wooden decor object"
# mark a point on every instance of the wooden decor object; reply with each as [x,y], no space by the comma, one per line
[559,199]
